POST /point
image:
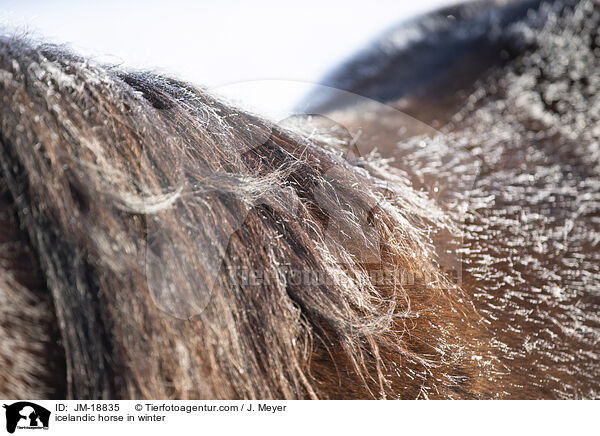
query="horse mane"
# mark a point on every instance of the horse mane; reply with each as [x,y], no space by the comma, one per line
[157,242]
[142,198]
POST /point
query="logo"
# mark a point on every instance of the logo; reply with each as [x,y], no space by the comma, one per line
[26,415]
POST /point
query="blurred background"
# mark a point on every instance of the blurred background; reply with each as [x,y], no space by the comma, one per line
[264,55]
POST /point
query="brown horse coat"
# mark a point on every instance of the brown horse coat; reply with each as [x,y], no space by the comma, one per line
[158,243]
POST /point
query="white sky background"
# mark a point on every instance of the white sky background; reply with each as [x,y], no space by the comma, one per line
[248,51]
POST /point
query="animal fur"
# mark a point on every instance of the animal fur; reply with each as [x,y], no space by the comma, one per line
[134,207]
